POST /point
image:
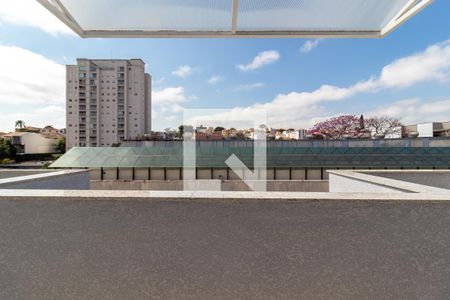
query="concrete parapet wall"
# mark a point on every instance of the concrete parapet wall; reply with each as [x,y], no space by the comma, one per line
[392,181]
[226,185]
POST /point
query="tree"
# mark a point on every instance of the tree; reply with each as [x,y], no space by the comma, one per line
[218,128]
[337,128]
[184,128]
[382,125]
[240,135]
[20,124]
[7,150]
[61,145]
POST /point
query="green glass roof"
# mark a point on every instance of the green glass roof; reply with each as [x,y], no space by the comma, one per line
[171,157]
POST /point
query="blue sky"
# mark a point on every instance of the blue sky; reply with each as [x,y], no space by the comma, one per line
[406,74]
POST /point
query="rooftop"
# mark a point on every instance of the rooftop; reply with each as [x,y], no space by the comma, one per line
[234,18]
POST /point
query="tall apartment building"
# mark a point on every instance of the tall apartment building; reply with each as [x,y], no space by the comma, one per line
[107,101]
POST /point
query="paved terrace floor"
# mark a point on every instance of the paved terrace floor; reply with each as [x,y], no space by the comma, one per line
[179,245]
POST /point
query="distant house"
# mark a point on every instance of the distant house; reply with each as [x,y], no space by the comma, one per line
[292,134]
[62,131]
[49,130]
[434,129]
[229,133]
[200,136]
[31,143]
[216,136]
[201,129]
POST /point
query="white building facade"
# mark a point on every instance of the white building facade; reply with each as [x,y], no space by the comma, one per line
[107,101]
[31,143]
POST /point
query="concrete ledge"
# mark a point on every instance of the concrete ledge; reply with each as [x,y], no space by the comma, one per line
[363,181]
[209,196]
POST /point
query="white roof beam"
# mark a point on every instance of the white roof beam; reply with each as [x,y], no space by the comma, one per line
[57,9]
[234,16]
[410,10]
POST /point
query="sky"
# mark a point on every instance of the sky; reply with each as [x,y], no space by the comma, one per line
[297,81]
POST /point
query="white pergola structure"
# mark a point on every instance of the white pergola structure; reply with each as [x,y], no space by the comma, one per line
[234,18]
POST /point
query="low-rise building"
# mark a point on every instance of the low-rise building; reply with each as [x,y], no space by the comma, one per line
[31,143]
[229,133]
[201,129]
[424,130]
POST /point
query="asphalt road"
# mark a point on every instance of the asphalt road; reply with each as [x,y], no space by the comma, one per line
[217,250]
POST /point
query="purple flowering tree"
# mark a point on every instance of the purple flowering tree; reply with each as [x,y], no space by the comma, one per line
[338,128]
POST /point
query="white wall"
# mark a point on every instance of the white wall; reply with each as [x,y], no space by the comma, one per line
[36,143]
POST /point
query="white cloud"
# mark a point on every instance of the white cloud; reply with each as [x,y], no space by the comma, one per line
[262,59]
[309,45]
[169,95]
[301,109]
[249,87]
[31,13]
[27,77]
[431,65]
[413,111]
[160,80]
[183,71]
[167,105]
[215,79]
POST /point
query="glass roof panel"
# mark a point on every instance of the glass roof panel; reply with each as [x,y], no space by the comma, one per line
[317,14]
[225,18]
[324,157]
[187,15]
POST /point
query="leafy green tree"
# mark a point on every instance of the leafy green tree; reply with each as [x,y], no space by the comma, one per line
[7,150]
[61,145]
[219,128]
